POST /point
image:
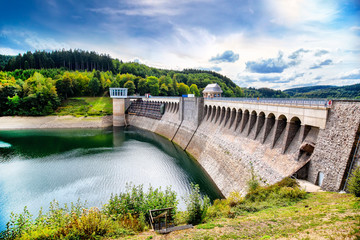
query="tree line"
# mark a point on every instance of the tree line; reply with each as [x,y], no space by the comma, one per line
[40,92]
[67,59]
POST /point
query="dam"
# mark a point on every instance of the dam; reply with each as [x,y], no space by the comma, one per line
[315,140]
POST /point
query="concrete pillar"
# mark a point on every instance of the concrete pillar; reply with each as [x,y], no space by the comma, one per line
[259,124]
[244,121]
[304,130]
[118,112]
[291,129]
[252,122]
[238,119]
[280,125]
[269,124]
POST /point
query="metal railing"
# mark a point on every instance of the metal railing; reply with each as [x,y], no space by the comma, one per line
[279,101]
[118,92]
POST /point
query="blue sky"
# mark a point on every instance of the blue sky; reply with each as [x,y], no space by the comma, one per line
[257,43]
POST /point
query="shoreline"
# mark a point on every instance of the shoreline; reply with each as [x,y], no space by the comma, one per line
[53,122]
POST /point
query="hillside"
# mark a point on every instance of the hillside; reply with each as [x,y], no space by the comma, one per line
[334,92]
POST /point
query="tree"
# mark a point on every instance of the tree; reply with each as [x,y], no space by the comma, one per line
[153,83]
[183,89]
[175,86]
[94,86]
[143,87]
[130,86]
[163,90]
[194,90]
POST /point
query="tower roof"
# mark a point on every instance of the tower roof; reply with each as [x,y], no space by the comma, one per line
[213,88]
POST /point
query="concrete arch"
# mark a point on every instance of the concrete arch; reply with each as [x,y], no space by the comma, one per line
[217,114]
[293,127]
[222,116]
[259,123]
[239,116]
[205,110]
[282,117]
[269,124]
[252,121]
[213,113]
[232,118]
[208,115]
[271,115]
[295,120]
[244,120]
[280,125]
[227,116]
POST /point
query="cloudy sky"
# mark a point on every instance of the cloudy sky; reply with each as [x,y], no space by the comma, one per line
[257,43]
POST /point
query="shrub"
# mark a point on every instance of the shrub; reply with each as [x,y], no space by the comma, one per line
[136,203]
[196,206]
[220,208]
[354,182]
[283,193]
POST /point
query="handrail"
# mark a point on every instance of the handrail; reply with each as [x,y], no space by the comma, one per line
[281,101]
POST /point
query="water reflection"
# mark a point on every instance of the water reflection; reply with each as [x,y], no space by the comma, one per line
[42,165]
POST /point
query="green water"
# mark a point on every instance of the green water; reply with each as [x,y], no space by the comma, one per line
[37,166]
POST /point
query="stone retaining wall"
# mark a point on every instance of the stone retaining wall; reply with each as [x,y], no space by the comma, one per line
[334,145]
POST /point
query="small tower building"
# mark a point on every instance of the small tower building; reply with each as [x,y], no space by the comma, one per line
[212,90]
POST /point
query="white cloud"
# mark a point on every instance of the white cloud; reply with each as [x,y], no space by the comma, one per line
[10,51]
[295,12]
[33,40]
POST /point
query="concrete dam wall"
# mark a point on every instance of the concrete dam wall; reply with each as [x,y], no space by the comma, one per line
[229,141]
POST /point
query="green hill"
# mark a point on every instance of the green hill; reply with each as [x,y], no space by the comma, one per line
[334,92]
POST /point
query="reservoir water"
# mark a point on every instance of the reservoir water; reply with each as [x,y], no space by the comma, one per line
[38,166]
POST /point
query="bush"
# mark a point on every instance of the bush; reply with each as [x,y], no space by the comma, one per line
[283,193]
[196,206]
[136,202]
[125,214]
[354,182]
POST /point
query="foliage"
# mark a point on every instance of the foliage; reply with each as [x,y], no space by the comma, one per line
[354,182]
[124,214]
[183,89]
[194,90]
[130,86]
[254,182]
[69,59]
[85,106]
[196,205]
[136,202]
[329,92]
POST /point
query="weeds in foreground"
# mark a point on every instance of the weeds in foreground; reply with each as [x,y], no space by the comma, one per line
[354,182]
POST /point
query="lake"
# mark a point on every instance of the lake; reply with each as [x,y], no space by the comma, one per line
[38,166]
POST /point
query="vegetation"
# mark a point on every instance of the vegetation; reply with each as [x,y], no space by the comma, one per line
[329,92]
[124,214]
[354,182]
[85,106]
[128,213]
[36,83]
[196,206]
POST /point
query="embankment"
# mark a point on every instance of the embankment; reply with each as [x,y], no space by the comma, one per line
[18,122]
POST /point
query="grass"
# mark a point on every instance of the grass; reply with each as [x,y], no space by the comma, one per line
[319,216]
[85,106]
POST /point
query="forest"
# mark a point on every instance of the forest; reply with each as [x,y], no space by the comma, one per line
[36,83]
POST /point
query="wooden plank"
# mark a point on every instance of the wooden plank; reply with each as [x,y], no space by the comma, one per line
[177,228]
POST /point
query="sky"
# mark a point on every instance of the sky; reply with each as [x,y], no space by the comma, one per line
[278,44]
